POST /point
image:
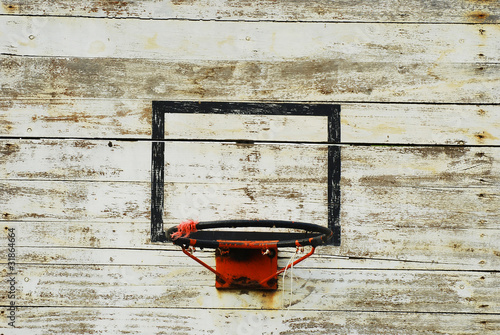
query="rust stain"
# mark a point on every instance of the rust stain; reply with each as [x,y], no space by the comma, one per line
[269,300]
[481,112]
[11,8]
[483,136]
[477,16]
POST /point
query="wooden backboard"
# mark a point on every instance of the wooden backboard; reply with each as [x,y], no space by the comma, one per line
[83,85]
[227,155]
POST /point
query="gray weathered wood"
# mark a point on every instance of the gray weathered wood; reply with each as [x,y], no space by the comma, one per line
[268,10]
[75,118]
[386,166]
[342,63]
[365,246]
[421,124]
[420,229]
[361,123]
[336,80]
[174,287]
[420,204]
[54,320]
[406,186]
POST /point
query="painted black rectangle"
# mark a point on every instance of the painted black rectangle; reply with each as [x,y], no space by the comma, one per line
[160,108]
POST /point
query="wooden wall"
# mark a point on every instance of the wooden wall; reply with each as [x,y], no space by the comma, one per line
[418,82]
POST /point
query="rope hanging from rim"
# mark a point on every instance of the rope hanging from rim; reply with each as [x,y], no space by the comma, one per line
[184,229]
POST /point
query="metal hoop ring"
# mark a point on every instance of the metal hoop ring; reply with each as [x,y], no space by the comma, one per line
[325,234]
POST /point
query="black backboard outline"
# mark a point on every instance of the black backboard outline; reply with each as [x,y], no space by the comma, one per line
[160,108]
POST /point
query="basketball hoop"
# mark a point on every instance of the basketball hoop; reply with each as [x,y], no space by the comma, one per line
[247,259]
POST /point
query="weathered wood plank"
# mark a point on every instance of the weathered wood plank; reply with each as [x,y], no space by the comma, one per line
[93,160]
[118,201]
[292,201]
[224,177]
[57,320]
[342,63]
[239,41]
[246,181]
[368,123]
[281,10]
[377,246]
[421,124]
[83,201]
[361,123]
[212,163]
[338,76]
[300,80]
[401,186]
[425,176]
[247,127]
[174,287]
[420,224]
[76,118]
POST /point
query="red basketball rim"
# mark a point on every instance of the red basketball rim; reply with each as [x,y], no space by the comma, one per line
[313,234]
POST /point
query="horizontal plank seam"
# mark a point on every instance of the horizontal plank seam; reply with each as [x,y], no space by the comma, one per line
[250,142]
[459,268]
[300,267]
[146,18]
[326,102]
[484,186]
[79,181]
[303,267]
[100,249]
[169,247]
[260,309]
[69,221]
